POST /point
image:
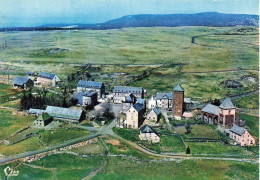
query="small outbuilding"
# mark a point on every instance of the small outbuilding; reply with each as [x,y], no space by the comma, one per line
[23,82]
[43,120]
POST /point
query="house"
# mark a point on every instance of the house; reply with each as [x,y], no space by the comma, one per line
[23,82]
[241,135]
[43,120]
[154,115]
[225,114]
[149,134]
[88,98]
[66,114]
[151,102]
[178,101]
[47,79]
[99,87]
[36,111]
[134,116]
[121,92]
[164,100]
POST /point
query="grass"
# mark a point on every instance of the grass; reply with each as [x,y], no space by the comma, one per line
[172,144]
[22,135]
[10,122]
[251,102]
[122,168]
[215,148]
[24,146]
[128,134]
[13,104]
[252,122]
[53,137]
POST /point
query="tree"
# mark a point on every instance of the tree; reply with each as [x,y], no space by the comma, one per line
[188,150]
[188,127]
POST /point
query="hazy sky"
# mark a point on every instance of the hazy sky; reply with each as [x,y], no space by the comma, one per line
[37,12]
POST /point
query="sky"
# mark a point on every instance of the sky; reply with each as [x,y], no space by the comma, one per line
[38,12]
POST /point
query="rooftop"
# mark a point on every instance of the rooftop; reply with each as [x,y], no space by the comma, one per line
[238,130]
[164,95]
[138,107]
[46,75]
[127,89]
[64,113]
[227,104]
[19,80]
[89,84]
[156,110]
[178,88]
[212,109]
[147,129]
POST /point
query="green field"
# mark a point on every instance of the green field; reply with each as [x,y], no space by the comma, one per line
[172,144]
[251,102]
[252,122]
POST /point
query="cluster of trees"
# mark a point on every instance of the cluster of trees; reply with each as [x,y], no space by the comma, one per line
[215,102]
[40,101]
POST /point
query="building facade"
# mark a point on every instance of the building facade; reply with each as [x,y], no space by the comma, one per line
[178,101]
[147,133]
[23,82]
[154,115]
[134,116]
[225,114]
[151,103]
[164,100]
[47,79]
[121,92]
[98,87]
[241,136]
[43,120]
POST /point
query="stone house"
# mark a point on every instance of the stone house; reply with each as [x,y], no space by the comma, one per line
[23,82]
[99,87]
[225,114]
[154,115]
[242,136]
[47,79]
[164,100]
[43,120]
[121,92]
[149,134]
[151,102]
[134,116]
[88,98]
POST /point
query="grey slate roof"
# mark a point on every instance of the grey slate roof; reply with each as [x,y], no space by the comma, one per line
[19,80]
[187,100]
[147,129]
[89,84]
[212,109]
[30,73]
[238,130]
[129,98]
[64,113]
[140,101]
[227,104]
[36,111]
[156,110]
[127,89]
[138,107]
[164,95]
[178,88]
[46,75]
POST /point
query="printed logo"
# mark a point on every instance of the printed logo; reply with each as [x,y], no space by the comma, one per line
[10,172]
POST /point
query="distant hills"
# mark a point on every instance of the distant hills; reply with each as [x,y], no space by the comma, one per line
[212,19]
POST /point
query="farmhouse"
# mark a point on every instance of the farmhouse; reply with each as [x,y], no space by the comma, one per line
[99,87]
[66,114]
[151,102]
[241,135]
[88,98]
[154,115]
[121,92]
[164,100]
[22,82]
[47,79]
[134,116]
[149,134]
[225,114]
[43,120]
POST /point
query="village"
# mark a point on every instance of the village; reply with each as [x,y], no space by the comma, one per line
[130,108]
